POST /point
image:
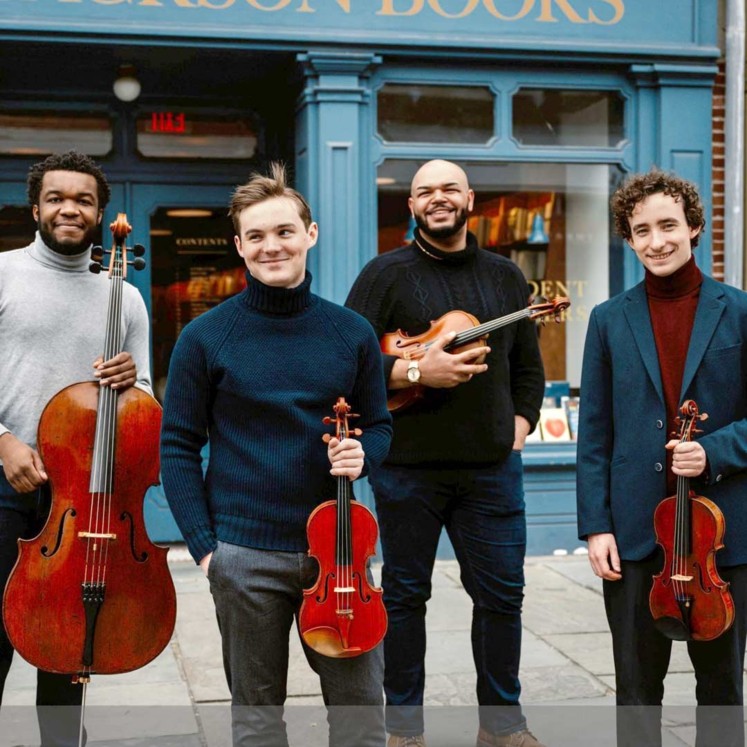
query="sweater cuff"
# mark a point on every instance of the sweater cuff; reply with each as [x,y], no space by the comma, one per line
[200,542]
[530,414]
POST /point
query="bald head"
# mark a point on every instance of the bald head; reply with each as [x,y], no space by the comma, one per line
[440,201]
[439,172]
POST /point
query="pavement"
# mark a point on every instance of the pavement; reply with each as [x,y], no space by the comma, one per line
[181,698]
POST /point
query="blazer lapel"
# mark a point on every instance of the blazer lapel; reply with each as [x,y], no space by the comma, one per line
[709,311]
[639,319]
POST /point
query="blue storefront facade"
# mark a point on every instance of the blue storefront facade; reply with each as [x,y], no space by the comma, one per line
[547,103]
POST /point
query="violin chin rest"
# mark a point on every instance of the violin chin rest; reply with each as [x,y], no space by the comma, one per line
[673,628]
[328,642]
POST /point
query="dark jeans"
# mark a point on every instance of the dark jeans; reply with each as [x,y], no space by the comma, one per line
[58,700]
[483,512]
[642,658]
[257,594]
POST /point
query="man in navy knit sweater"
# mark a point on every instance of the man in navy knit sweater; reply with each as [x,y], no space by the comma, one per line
[455,459]
[255,376]
[675,336]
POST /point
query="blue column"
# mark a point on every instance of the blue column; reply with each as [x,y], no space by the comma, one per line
[334,168]
[673,130]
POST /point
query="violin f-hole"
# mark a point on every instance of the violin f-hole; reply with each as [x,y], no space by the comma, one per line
[60,530]
[143,556]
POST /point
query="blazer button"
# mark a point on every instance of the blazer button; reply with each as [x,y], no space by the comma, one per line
[658,467]
[718,478]
[659,424]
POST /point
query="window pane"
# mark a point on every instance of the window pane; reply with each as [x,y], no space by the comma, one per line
[581,118]
[194,266]
[551,219]
[435,114]
[39,133]
[182,135]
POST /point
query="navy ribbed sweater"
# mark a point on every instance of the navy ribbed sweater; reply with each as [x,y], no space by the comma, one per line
[256,375]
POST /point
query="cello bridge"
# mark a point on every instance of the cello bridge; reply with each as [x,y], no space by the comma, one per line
[96,535]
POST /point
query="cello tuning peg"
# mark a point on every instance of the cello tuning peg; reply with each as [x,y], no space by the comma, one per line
[138,250]
[95,268]
[138,263]
[97,253]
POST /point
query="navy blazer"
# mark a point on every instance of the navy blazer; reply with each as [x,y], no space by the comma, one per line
[622,425]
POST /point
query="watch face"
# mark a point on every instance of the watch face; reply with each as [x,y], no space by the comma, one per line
[413,374]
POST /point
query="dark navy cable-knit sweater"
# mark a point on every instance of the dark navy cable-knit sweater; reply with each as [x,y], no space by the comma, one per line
[256,375]
[471,424]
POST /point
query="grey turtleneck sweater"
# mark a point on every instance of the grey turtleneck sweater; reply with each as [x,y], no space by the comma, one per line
[52,326]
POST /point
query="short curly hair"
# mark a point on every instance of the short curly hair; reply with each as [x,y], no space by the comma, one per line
[70,161]
[640,186]
[260,188]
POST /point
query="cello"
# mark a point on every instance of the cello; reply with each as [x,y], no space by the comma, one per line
[689,601]
[342,615]
[470,334]
[91,593]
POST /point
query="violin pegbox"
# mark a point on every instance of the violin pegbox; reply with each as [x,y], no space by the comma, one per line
[543,308]
[340,420]
[687,419]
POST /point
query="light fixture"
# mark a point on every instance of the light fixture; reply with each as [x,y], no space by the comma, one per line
[126,87]
[189,213]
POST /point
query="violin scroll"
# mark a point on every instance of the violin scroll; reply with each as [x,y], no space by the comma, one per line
[342,426]
[542,308]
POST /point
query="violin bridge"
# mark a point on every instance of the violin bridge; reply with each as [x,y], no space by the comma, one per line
[680,577]
[345,613]
[96,535]
[343,589]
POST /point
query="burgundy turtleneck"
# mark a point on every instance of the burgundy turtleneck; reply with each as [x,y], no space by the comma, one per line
[672,301]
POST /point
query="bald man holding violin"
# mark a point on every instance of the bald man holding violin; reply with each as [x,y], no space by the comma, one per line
[455,460]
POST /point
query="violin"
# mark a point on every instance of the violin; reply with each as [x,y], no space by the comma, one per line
[470,334]
[342,615]
[689,601]
[91,593]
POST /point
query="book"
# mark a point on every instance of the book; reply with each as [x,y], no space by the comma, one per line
[554,424]
[571,406]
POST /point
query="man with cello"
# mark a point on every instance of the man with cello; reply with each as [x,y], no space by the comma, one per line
[51,335]
[455,460]
[677,336]
[256,376]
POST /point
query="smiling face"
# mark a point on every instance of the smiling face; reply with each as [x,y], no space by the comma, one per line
[67,213]
[274,241]
[659,234]
[440,201]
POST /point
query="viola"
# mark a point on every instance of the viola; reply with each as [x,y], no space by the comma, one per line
[688,599]
[91,593]
[470,334]
[342,615]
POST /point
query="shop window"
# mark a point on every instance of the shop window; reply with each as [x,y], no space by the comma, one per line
[548,116]
[175,134]
[17,227]
[435,114]
[43,133]
[552,220]
[194,266]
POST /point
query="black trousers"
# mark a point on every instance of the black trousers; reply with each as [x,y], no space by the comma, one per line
[642,656]
[58,700]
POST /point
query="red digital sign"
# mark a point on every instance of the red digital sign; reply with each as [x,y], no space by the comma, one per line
[171,122]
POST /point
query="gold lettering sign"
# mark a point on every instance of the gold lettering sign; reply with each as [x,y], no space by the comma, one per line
[490,5]
[387,8]
[599,12]
[468,8]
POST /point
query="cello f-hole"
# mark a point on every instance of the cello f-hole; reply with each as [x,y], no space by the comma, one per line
[143,556]
[60,530]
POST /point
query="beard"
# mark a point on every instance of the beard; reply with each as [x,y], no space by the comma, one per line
[67,248]
[443,232]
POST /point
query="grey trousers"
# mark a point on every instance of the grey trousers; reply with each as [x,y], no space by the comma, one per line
[257,595]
